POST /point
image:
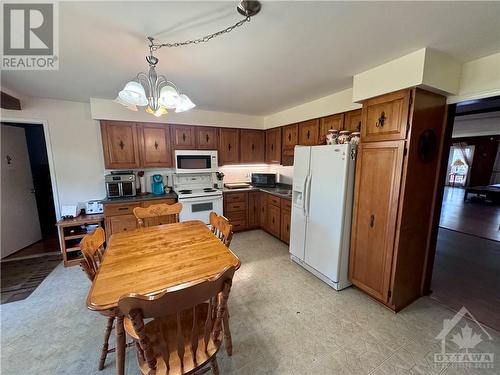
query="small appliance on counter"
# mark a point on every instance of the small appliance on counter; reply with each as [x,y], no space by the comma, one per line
[94,207]
[264,179]
[120,184]
[237,185]
[69,212]
[157,187]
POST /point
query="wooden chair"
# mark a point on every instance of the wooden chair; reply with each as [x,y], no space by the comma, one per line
[92,247]
[221,228]
[183,336]
[158,214]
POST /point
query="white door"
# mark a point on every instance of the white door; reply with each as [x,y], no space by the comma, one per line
[298,223]
[20,223]
[326,208]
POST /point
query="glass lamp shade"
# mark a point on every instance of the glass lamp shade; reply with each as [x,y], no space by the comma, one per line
[133,93]
[185,104]
[169,97]
[132,107]
[159,112]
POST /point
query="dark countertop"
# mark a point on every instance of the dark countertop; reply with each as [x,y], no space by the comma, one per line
[139,198]
[274,191]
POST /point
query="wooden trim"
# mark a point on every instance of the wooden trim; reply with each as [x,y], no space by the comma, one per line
[10,102]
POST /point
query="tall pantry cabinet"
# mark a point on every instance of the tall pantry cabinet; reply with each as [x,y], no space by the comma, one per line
[395,188]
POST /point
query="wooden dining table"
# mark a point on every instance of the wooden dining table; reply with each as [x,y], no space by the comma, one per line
[151,260]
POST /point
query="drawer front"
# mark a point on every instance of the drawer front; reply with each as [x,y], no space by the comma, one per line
[236,206]
[115,209]
[234,197]
[274,200]
[236,215]
[286,204]
[385,118]
[238,225]
[158,201]
[122,223]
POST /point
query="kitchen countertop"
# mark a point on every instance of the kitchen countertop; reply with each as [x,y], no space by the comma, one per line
[139,198]
[273,191]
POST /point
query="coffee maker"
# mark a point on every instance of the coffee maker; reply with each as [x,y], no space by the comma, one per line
[157,187]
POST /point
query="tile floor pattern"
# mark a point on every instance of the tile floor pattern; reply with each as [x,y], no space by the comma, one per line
[283,320]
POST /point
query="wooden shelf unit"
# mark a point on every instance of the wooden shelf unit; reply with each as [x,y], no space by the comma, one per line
[70,234]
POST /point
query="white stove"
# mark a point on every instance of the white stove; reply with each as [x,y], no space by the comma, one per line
[198,196]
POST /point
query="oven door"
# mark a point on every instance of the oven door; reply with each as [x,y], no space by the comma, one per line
[191,161]
[200,208]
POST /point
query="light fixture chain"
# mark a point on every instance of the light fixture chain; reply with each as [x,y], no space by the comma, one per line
[153,46]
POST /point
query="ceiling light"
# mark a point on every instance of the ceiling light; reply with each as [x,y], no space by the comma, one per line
[158,94]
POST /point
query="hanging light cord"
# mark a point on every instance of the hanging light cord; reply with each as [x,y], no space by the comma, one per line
[155,46]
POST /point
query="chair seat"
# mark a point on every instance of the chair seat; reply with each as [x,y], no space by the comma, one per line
[161,331]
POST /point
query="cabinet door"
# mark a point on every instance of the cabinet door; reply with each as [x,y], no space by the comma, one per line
[385,117]
[352,121]
[263,210]
[120,144]
[290,139]
[331,122]
[309,132]
[273,145]
[229,146]
[252,144]
[286,217]
[273,220]
[121,223]
[254,209]
[377,188]
[155,145]
[206,138]
[183,137]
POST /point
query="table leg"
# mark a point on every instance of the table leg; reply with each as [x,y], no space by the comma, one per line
[120,346]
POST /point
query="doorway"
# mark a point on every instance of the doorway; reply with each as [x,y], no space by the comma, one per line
[466,264]
[28,211]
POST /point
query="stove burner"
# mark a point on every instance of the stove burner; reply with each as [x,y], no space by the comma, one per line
[208,190]
[185,191]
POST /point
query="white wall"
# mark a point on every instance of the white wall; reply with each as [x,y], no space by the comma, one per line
[74,139]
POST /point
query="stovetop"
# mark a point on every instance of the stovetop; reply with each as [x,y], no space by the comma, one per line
[196,193]
[194,186]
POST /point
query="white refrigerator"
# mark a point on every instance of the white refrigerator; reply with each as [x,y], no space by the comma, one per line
[323,180]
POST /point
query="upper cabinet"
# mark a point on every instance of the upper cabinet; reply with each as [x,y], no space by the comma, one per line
[331,122]
[252,144]
[385,118]
[206,138]
[309,132]
[154,145]
[289,140]
[229,146]
[120,144]
[352,121]
[273,145]
[183,137]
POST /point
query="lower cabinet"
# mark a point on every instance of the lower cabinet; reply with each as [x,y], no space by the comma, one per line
[286,218]
[254,209]
[119,217]
[236,209]
[273,220]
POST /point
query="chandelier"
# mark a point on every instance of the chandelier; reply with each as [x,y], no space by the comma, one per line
[157,93]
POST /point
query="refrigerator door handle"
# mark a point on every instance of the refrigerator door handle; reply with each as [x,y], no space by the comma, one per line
[307,189]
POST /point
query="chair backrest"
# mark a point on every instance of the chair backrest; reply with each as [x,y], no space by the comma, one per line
[221,228]
[181,308]
[92,247]
[158,214]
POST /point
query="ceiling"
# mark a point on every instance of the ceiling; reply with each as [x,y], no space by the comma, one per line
[290,53]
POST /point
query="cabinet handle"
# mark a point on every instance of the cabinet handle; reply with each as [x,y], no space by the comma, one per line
[289,137]
[122,208]
[359,126]
[308,134]
[253,147]
[372,221]
[381,120]
[272,146]
[288,228]
[121,144]
[156,145]
[208,138]
[273,220]
[229,146]
[184,136]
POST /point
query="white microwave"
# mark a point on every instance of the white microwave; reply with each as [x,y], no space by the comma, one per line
[195,161]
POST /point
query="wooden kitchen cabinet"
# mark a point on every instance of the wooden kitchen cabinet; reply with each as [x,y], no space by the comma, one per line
[183,137]
[154,145]
[289,140]
[309,132]
[273,146]
[252,146]
[263,209]
[206,138]
[236,209]
[286,218]
[331,122]
[273,220]
[392,246]
[352,121]
[385,118]
[254,209]
[120,143]
[229,146]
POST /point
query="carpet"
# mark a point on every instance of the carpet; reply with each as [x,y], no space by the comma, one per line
[19,278]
